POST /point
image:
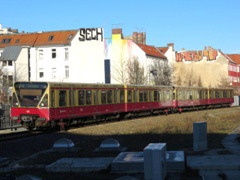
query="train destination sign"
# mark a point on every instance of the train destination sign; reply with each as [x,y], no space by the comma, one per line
[33,85]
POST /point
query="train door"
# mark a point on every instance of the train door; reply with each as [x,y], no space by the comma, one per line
[52,113]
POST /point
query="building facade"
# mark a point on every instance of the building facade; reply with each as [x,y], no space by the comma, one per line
[59,56]
[121,50]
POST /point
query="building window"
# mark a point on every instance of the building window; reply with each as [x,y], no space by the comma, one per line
[53,73]
[6,40]
[40,54]
[54,54]
[7,80]
[10,63]
[41,74]
[4,63]
[50,38]
[66,53]
[66,71]
[70,36]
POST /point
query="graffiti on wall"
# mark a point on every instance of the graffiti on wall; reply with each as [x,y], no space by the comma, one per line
[89,34]
[210,54]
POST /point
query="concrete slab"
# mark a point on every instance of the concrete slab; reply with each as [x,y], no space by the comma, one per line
[230,142]
[80,164]
[4,161]
[214,162]
[216,166]
[175,161]
[131,162]
[63,143]
[127,178]
[220,174]
[110,145]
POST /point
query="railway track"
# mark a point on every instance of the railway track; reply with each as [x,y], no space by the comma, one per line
[12,133]
[8,134]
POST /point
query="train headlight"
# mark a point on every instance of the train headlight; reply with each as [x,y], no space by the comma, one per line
[42,105]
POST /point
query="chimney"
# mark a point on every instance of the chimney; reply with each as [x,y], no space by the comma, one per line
[117,31]
[171,45]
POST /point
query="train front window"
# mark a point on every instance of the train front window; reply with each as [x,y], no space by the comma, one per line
[29,94]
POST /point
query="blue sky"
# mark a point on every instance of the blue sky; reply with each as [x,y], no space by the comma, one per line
[189,24]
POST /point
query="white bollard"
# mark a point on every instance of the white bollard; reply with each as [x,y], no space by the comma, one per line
[200,136]
[155,165]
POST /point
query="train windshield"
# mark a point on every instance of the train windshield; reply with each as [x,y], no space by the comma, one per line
[29,93]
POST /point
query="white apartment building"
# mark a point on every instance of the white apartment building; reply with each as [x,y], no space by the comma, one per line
[58,56]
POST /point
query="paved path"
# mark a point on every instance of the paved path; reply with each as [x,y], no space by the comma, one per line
[231,143]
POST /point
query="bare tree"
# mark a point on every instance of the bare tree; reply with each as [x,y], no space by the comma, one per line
[199,82]
[119,70]
[6,83]
[161,72]
[224,82]
[135,72]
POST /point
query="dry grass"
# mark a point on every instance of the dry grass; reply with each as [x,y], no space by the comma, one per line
[219,121]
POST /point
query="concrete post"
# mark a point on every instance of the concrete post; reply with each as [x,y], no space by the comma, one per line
[199,136]
[155,166]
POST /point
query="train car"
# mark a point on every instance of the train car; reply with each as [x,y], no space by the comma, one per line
[189,97]
[220,97]
[46,104]
[142,99]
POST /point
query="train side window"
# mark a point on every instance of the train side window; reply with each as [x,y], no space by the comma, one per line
[52,98]
[159,95]
[116,96]
[44,102]
[81,97]
[109,96]
[70,97]
[121,96]
[103,96]
[190,97]
[151,98]
[179,95]
[146,96]
[88,97]
[202,94]
[62,98]
[224,94]
[95,96]
[129,95]
[136,92]
[134,96]
[167,95]
[141,96]
[155,96]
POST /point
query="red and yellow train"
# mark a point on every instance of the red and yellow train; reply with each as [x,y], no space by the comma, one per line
[49,104]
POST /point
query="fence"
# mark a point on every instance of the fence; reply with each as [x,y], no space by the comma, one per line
[5,120]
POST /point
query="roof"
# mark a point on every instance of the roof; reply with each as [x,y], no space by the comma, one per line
[234,57]
[11,53]
[151,51]
[38,39]
[163,49]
